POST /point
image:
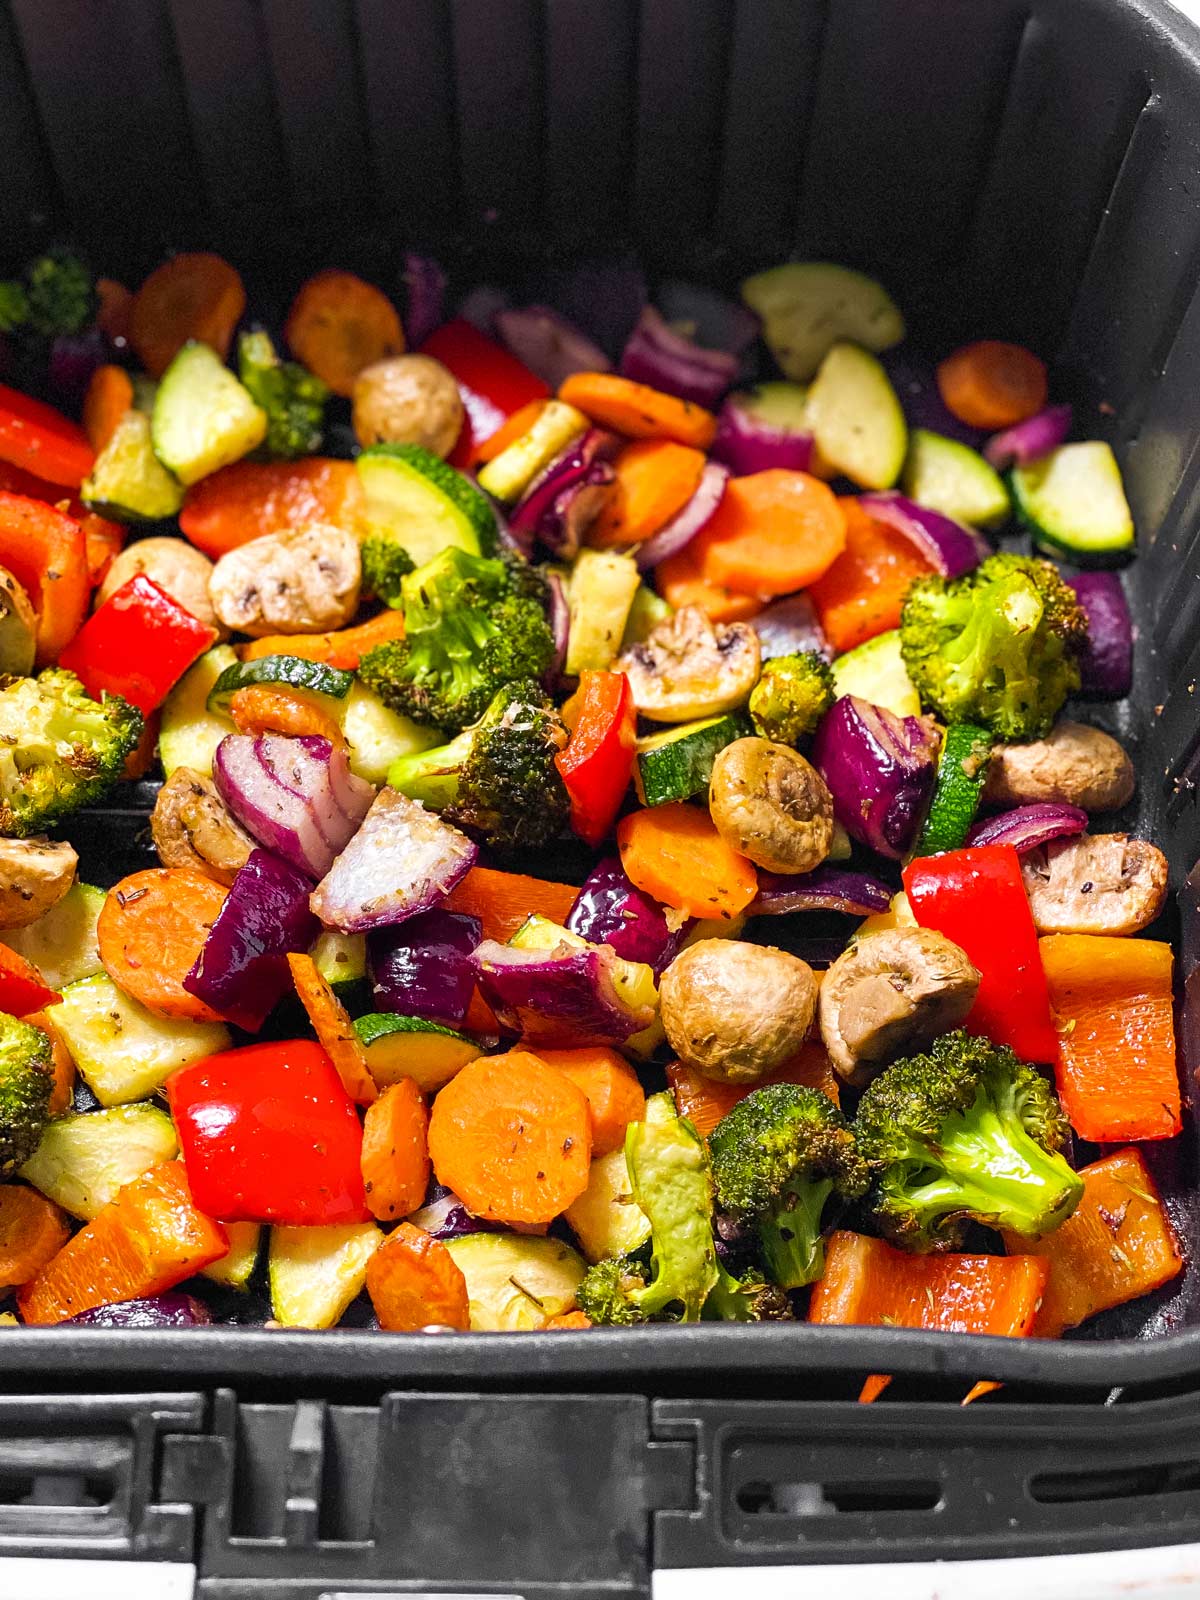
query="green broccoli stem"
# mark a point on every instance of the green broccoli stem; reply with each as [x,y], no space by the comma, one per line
[790,1233]
[998,1173]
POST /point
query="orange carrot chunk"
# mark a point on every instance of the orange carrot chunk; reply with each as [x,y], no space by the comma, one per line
[334,1030]
[109,396]
[774,532]
[32,1232]
[141,1244]
[1117,1244]
[395,1152]
[675,854]
[681,582]
[345,647]
[192,296]
[243,501]
[504,900]
[638,411]
[704,1101]
[862,592]
[150,932]
[414,1283]
[991,384]
[1112,1005]
[655,479]
[338,324]
[614,1095]
[512,1137]
[566,1321]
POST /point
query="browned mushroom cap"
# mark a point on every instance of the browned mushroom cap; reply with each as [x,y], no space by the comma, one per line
[1101,883]
[736,1011]
[769,804]
[686,667]
[173,564]
[34,876]
[891,993]
[410,399]
[192,828]
[1074,765]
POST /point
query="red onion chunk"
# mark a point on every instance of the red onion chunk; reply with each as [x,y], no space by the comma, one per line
[1029,440]
[609,910]
[445,1217]
[880,769]
[746,444]
[1106,666]
[423,967]
[1027,827]
[403,860]
[948,546]
[561,996]
[790,628]
[297,797]
[163,1311]
[687,523]
[658,356]
[425,298]
[561,504]
[242,969]
[824,889]
[548,344]
[716,322]
[558,614]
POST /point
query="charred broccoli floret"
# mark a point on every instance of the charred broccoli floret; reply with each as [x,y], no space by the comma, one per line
[607,1292]
[751,1298]
[292,396]
[791,697]
[26,1079]
[14,305]
[61,293]
[498,779]
[385,565]
[59,749]
[998,646]
[777,1157]
[966,1132]
[471,625]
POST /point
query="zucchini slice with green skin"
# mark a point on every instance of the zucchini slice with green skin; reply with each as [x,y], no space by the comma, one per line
[605,1218]
[410,1047]
[515,1283]
[315,1272]
[82,1161]
[128,482]
[236,1267]
[377,735]
[950,477]
[62,943]
[807,306]
[417,500]
[1073,503]
[190,732]
[509,474]
[961,775]
[289,672]
[203,418]
[875,671]
[340,957]
[677,764]
[857,422]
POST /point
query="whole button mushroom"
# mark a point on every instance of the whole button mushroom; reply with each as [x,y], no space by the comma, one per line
[173,564]
[1074,765]
[301,580]
[408,400]
[889,994]
[736,1011]
[687,668]
[769,804]
[1096,883]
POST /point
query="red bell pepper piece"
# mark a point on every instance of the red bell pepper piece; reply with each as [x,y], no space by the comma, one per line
[41,440]
[104,539]
[976,898]
[269,1134]
[493,384]
[597,764]
[139,644]
[46,552]
[22,988]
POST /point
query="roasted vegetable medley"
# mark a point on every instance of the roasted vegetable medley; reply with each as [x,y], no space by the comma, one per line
[748,599]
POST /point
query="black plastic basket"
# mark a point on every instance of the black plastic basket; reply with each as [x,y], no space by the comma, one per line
[1026,167]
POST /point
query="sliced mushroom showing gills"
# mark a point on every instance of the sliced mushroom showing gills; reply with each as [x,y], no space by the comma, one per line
[1095,883]
[889,995]
[688,667]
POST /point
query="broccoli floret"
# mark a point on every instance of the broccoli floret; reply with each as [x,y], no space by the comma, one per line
[292,396]
[967,1131]
[14,306]
[752,1298]
[497,779]
[607,1292]
[776,1159]
[385,564]
[791,697]
[61,294]
[471,625]
[59,749]
[26,1079]
[999,646]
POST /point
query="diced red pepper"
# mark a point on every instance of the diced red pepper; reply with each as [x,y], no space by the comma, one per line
[493,384]
[598,762]
[41,440]
[22,988]
[976,897]
[46,552]
[269,1134]
[138,644]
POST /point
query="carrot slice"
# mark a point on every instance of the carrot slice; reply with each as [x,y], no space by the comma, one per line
[504,900]
[512,1137]
[414,1283]
[395,1152]
[615,1097]
[991,384]
[1117,1244]
[102,541]
[109,396]
[46,553]
[334,1030]
[151,929]
[675,854]
[196,295]
[704,1101]
[681,583]
[338,324]
[267,708]
[345,647]
[250,498]
[141,1244]
[569,1320]
[32,1232]
[773,533]
[655,479]
[508,432]
[637,410]
[62,1063]
[862,592]
[1113,1007]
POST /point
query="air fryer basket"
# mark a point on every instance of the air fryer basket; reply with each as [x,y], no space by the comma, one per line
[1025,168]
